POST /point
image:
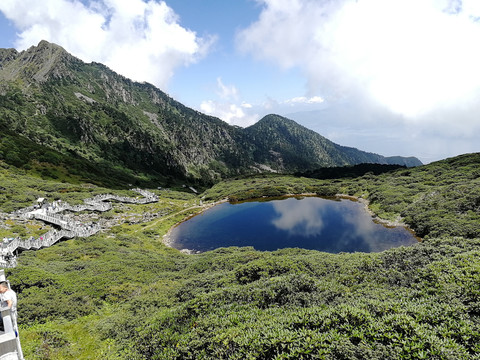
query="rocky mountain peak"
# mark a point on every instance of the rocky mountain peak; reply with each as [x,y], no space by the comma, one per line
[37,63]
[88,111]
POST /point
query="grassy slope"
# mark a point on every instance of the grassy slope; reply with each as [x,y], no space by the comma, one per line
[123,294]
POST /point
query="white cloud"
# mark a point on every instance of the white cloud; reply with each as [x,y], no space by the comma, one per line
[231,113]
[142,40]
[229,92]
[416,58]
[229,107]
[304,100]
[471,8]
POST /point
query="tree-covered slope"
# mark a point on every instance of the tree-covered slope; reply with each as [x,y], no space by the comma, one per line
[88,112]
[283,143]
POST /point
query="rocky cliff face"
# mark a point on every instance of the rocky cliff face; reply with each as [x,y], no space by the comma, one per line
[88,111]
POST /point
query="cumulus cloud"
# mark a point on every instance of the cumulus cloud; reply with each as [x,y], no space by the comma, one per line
[416,58]
[234,114]
[142,40]
[229,107]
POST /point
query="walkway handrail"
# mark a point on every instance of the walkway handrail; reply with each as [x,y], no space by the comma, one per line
[10,347]
[69,229]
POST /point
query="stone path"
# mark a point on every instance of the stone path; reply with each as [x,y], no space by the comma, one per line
[51,213]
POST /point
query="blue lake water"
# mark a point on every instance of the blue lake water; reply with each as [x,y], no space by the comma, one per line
[314,223]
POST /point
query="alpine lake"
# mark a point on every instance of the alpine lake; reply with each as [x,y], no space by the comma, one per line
[330,225]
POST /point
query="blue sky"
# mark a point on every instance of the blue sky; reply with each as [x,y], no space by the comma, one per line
[395,77]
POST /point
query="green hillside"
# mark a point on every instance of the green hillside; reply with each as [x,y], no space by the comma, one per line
[87,116]
[282,143]
[122,294]
[87,111]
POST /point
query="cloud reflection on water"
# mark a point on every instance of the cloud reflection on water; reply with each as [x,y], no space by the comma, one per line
[304,218]
[363,227]
[341,225]
[310,223]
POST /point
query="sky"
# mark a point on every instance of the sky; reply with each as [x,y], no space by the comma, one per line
[394,77]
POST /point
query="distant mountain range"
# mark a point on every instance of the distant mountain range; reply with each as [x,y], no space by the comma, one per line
[56,109]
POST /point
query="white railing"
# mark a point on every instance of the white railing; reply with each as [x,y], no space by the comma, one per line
[69,229]
[10,347]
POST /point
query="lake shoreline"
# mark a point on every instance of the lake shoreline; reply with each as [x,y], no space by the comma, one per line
[168,241]
[376,218]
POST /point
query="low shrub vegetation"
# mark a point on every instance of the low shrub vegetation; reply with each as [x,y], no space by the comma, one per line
[122,294]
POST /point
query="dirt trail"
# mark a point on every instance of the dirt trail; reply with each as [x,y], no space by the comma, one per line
[161,219]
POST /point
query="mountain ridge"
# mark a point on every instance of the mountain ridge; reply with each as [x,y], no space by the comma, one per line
[327,152]
[89,112]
